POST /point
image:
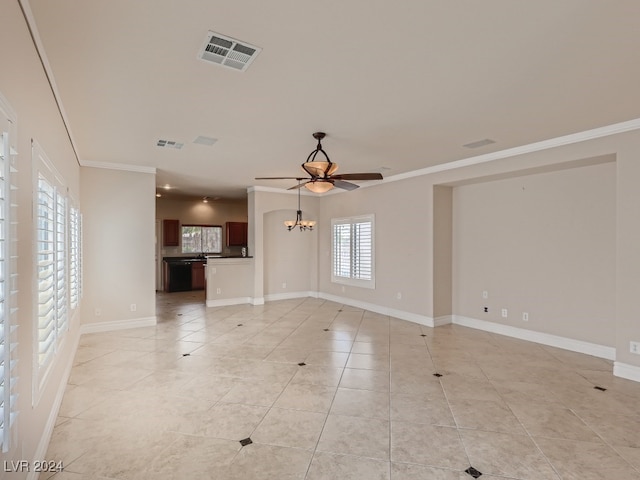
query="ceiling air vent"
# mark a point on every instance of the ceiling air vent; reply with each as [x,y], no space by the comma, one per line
[208,141]
[228,52]
[169,144]
[479,143]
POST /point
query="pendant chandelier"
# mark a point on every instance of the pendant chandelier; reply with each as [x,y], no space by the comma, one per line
[299,222]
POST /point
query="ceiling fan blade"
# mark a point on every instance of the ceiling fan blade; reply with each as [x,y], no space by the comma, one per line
[280,178]
[344,185]
[300,185]
[357,176]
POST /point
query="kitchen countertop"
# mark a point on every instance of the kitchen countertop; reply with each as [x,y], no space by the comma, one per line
[199,259]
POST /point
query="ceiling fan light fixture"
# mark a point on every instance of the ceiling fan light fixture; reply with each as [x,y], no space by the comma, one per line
[322,172]
[319,168]
[318,186]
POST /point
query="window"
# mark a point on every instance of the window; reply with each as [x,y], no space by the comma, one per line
[8,278]
[51,211]
[353,251]
[201,239]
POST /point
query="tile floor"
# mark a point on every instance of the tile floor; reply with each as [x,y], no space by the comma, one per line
[327,391]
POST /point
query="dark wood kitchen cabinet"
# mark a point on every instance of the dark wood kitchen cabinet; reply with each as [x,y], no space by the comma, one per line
[197,275]
[171,233]
[236,234]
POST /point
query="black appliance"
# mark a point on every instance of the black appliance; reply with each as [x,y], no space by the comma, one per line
[179,276]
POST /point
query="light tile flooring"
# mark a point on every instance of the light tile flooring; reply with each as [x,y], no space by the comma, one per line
[327,391]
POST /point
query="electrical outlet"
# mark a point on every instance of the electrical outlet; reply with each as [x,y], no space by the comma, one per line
[133,307]
[525,317]
[399,295]
[634,347]
[218,291]
[485,294]
[486,309]
[97,312]
[284,284]
[504,313]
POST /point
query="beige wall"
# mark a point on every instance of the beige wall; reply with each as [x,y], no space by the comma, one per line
[24,87]
[403,244]
[264,236]
[119,240]
[542,244]
[628,250]
[290,256]
[442,251]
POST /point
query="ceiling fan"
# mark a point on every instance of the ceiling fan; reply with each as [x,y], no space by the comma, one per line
[321,172]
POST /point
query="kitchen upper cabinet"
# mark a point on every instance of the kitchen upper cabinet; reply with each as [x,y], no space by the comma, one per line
[236,234]
[171,233]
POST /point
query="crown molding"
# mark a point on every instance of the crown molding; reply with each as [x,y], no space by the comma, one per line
[573,138]
[119,166]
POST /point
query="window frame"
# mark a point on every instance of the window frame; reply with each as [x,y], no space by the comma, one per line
[201,226]
[57,226]
[355,263]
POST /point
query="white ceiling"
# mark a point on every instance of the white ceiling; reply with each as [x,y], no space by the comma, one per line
[401,85]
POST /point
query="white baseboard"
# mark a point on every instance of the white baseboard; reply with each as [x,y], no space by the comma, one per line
[100,327]
[225,302]
[392,312]
[443,320]
[548,339]
[624,370]
[274,297]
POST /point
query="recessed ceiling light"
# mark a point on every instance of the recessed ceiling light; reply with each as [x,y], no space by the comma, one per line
[158,194]
[479,143]
[167,187]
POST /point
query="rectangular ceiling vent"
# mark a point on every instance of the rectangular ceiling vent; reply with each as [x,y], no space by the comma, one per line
[169,144]
[228,52]
[480,143]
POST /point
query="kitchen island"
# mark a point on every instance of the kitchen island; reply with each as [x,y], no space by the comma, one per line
[229,280]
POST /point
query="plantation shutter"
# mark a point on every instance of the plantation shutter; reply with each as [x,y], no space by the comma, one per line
[362,268]
[8,292]
[342,250]
[46,271]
